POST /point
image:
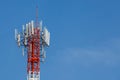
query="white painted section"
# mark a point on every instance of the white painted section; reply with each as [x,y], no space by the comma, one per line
[33,76]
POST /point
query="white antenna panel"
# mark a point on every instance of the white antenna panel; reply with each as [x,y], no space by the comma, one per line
[32,26]
[16,32]
[29,27]
[46,36]
[48,40]
[23,29]
[18,39]
[26,30]
[25,41]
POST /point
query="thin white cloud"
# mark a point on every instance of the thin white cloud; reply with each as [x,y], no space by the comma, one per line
[106,54]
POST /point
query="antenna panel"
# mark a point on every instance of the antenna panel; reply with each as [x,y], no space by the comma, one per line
[46,36]
[16,32]
[44,54]
[29,27]
[26,30]
[32,25]
[23,27]
[25,41]
[18,39]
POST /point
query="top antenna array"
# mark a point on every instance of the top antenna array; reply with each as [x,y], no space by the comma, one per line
[29,31]
[33,40]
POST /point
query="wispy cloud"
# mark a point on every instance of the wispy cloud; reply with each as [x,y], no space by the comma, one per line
[107,54]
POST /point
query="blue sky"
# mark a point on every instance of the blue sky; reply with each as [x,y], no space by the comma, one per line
[85,38]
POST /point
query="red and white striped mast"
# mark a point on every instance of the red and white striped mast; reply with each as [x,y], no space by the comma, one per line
[33,41]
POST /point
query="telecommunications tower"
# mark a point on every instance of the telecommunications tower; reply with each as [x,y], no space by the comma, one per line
[33,40]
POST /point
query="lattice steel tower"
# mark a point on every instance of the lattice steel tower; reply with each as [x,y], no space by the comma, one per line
[33,41]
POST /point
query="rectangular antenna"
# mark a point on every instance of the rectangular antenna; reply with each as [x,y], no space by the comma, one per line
[16,32]
[29,27]
[23,27]
[26,30]
[32,25]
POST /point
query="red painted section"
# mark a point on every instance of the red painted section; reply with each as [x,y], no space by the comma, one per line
[33,53]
